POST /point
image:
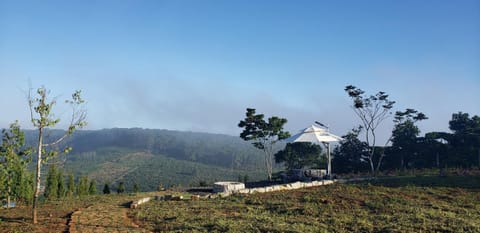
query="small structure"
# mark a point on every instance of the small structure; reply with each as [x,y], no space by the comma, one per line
[227,186]
[303,175]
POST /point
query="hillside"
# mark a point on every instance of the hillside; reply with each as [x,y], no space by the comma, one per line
[153,157]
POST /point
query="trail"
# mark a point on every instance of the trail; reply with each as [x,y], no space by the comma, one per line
[103,217]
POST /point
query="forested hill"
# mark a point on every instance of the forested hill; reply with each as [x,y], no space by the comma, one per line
[136,154]
[211,149]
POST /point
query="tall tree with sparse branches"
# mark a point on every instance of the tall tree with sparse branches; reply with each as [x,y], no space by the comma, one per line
[264,135]
[43,118]
[372,111]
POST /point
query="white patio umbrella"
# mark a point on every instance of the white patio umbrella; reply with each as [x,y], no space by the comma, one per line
[316,135]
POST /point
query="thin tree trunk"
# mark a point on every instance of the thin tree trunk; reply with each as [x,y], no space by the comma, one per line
[372,168]
[380,162]
[38,175]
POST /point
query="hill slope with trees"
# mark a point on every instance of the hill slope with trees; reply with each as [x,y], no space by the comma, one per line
[151,157]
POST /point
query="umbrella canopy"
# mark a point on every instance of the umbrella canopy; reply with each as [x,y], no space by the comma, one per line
[314,134]
[317,135]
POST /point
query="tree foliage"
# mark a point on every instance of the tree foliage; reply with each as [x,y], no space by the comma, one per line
[82,187]
[70,185]
[372,110]
[299,155]
[404,135]
[465,138]
[121,187]
[263,134]
[51,186]
[136,188]
[106,189]
[351,155]
[42,118]
[13,164]
[92,188]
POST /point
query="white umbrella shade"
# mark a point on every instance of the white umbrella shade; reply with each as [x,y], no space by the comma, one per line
[316,135]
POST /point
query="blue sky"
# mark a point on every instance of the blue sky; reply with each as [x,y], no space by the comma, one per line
[196,65]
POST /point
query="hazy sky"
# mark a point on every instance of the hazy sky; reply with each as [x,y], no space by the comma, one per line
[197,65]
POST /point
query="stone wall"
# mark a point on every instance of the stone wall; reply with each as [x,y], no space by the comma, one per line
[280,187]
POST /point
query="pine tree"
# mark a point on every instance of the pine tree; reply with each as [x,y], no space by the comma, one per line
[106,189]
[70,185]
[13,162]
[92,189]
[25,188]
[52,183]
[61,191]
[82,187]
[135,187]
[121,187]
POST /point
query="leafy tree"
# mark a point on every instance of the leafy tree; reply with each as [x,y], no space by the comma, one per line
[70,185]
[263,134]
[135,187]
[106,189]
[404,134]
[465,138]
[52,183]
[351,155]
[42,118]
[92,188]
[372,111]
[13,162]
[299,155]
[121,187]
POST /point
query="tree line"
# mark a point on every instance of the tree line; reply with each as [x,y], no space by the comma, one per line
[360,149]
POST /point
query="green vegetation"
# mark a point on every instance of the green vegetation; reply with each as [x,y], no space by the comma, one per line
[43,118]
[15,180]
[263,135]
[110,165]
[299,155]
[386,204]
[363,207]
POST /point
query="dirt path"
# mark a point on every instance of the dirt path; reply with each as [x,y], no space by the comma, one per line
[103,217]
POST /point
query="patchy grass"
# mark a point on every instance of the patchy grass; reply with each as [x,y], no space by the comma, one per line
[55,215]
[406,204]
[401,204]
[52,216]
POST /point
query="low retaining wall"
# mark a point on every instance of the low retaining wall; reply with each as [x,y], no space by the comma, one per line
[227,186]
[280,187]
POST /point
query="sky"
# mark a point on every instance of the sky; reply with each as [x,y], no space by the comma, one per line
[197,65]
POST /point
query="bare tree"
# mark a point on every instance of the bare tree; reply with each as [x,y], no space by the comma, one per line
[372,111]
[42,118]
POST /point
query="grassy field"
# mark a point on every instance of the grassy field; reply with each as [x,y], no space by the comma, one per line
[390,204]
[406,204]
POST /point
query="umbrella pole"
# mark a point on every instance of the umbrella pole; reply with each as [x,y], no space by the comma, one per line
[329,166]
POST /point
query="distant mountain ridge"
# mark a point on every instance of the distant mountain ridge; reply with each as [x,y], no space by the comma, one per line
[167,157]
